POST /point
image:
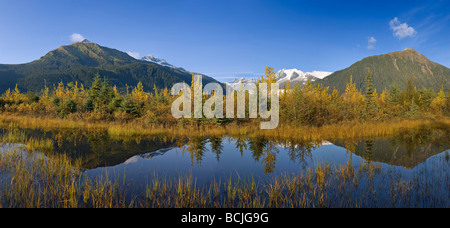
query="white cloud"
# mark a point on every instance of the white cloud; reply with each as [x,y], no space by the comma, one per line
[135,55]
[401,30]
[76,37]
[371,43]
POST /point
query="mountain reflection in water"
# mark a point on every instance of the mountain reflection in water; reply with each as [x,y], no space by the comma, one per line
[220,157]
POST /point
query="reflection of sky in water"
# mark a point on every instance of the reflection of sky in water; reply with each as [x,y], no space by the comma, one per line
[175,162]
[426,164]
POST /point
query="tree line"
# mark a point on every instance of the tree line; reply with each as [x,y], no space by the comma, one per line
[311,104]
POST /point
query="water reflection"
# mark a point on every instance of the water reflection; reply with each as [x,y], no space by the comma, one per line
[381,167]
[406,149]
[196,146]
[98,149]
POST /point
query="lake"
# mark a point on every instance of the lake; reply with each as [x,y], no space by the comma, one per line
[420,156]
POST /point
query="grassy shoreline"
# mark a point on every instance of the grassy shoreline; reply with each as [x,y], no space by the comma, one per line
[345,130]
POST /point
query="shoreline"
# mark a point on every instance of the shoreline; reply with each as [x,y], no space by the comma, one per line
[344,130]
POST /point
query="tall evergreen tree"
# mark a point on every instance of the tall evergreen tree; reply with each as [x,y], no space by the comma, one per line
[129,107]
[106,93]
[94,93]
[370,108]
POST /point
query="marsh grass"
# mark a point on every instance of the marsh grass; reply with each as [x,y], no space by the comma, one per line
[344,130]
[14,135]
[33,180]
[323,187]
[36,181]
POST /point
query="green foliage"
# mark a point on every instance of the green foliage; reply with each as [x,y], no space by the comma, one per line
[413,112]
[129,107]
[88,105]
[32,97]
[115,103]
[406,68]
[447,104]
[56,101]
[67,108]
[370,107]
[308,105]
[78,62]
[100,96]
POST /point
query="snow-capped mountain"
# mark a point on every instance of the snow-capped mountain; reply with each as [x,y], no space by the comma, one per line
[293,76]
[162,62]
[320,74]
[243,80]
[235,84]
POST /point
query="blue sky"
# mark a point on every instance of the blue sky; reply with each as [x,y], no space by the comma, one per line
[227,39]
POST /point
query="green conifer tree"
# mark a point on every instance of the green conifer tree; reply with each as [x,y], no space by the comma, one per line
[370,107]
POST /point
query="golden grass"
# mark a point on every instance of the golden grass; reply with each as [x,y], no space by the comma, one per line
[344,130]
[35,181]
[16,136]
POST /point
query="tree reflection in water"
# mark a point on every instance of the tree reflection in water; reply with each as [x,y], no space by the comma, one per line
[196,146]
[216,146]
[99,149]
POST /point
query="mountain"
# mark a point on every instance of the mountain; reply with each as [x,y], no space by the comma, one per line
[162,62]
[393,68]
[81,61]
[408,154]
[235,84]
[293,76]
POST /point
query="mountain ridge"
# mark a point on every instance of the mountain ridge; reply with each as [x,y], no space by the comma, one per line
[395,68]
[293,76]
[81,61]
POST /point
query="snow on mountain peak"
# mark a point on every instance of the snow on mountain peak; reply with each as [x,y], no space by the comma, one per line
[289,74]
[293,76]
[241,80]
[161,62]
[151,58]
[320,74]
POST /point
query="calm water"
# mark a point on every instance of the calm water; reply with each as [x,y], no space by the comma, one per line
[409,154]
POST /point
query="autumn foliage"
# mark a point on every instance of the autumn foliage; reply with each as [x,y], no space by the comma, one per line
[301,105]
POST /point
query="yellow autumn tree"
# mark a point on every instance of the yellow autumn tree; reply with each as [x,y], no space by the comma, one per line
[353,100]
[138,94]
[438,104]
[269,76]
